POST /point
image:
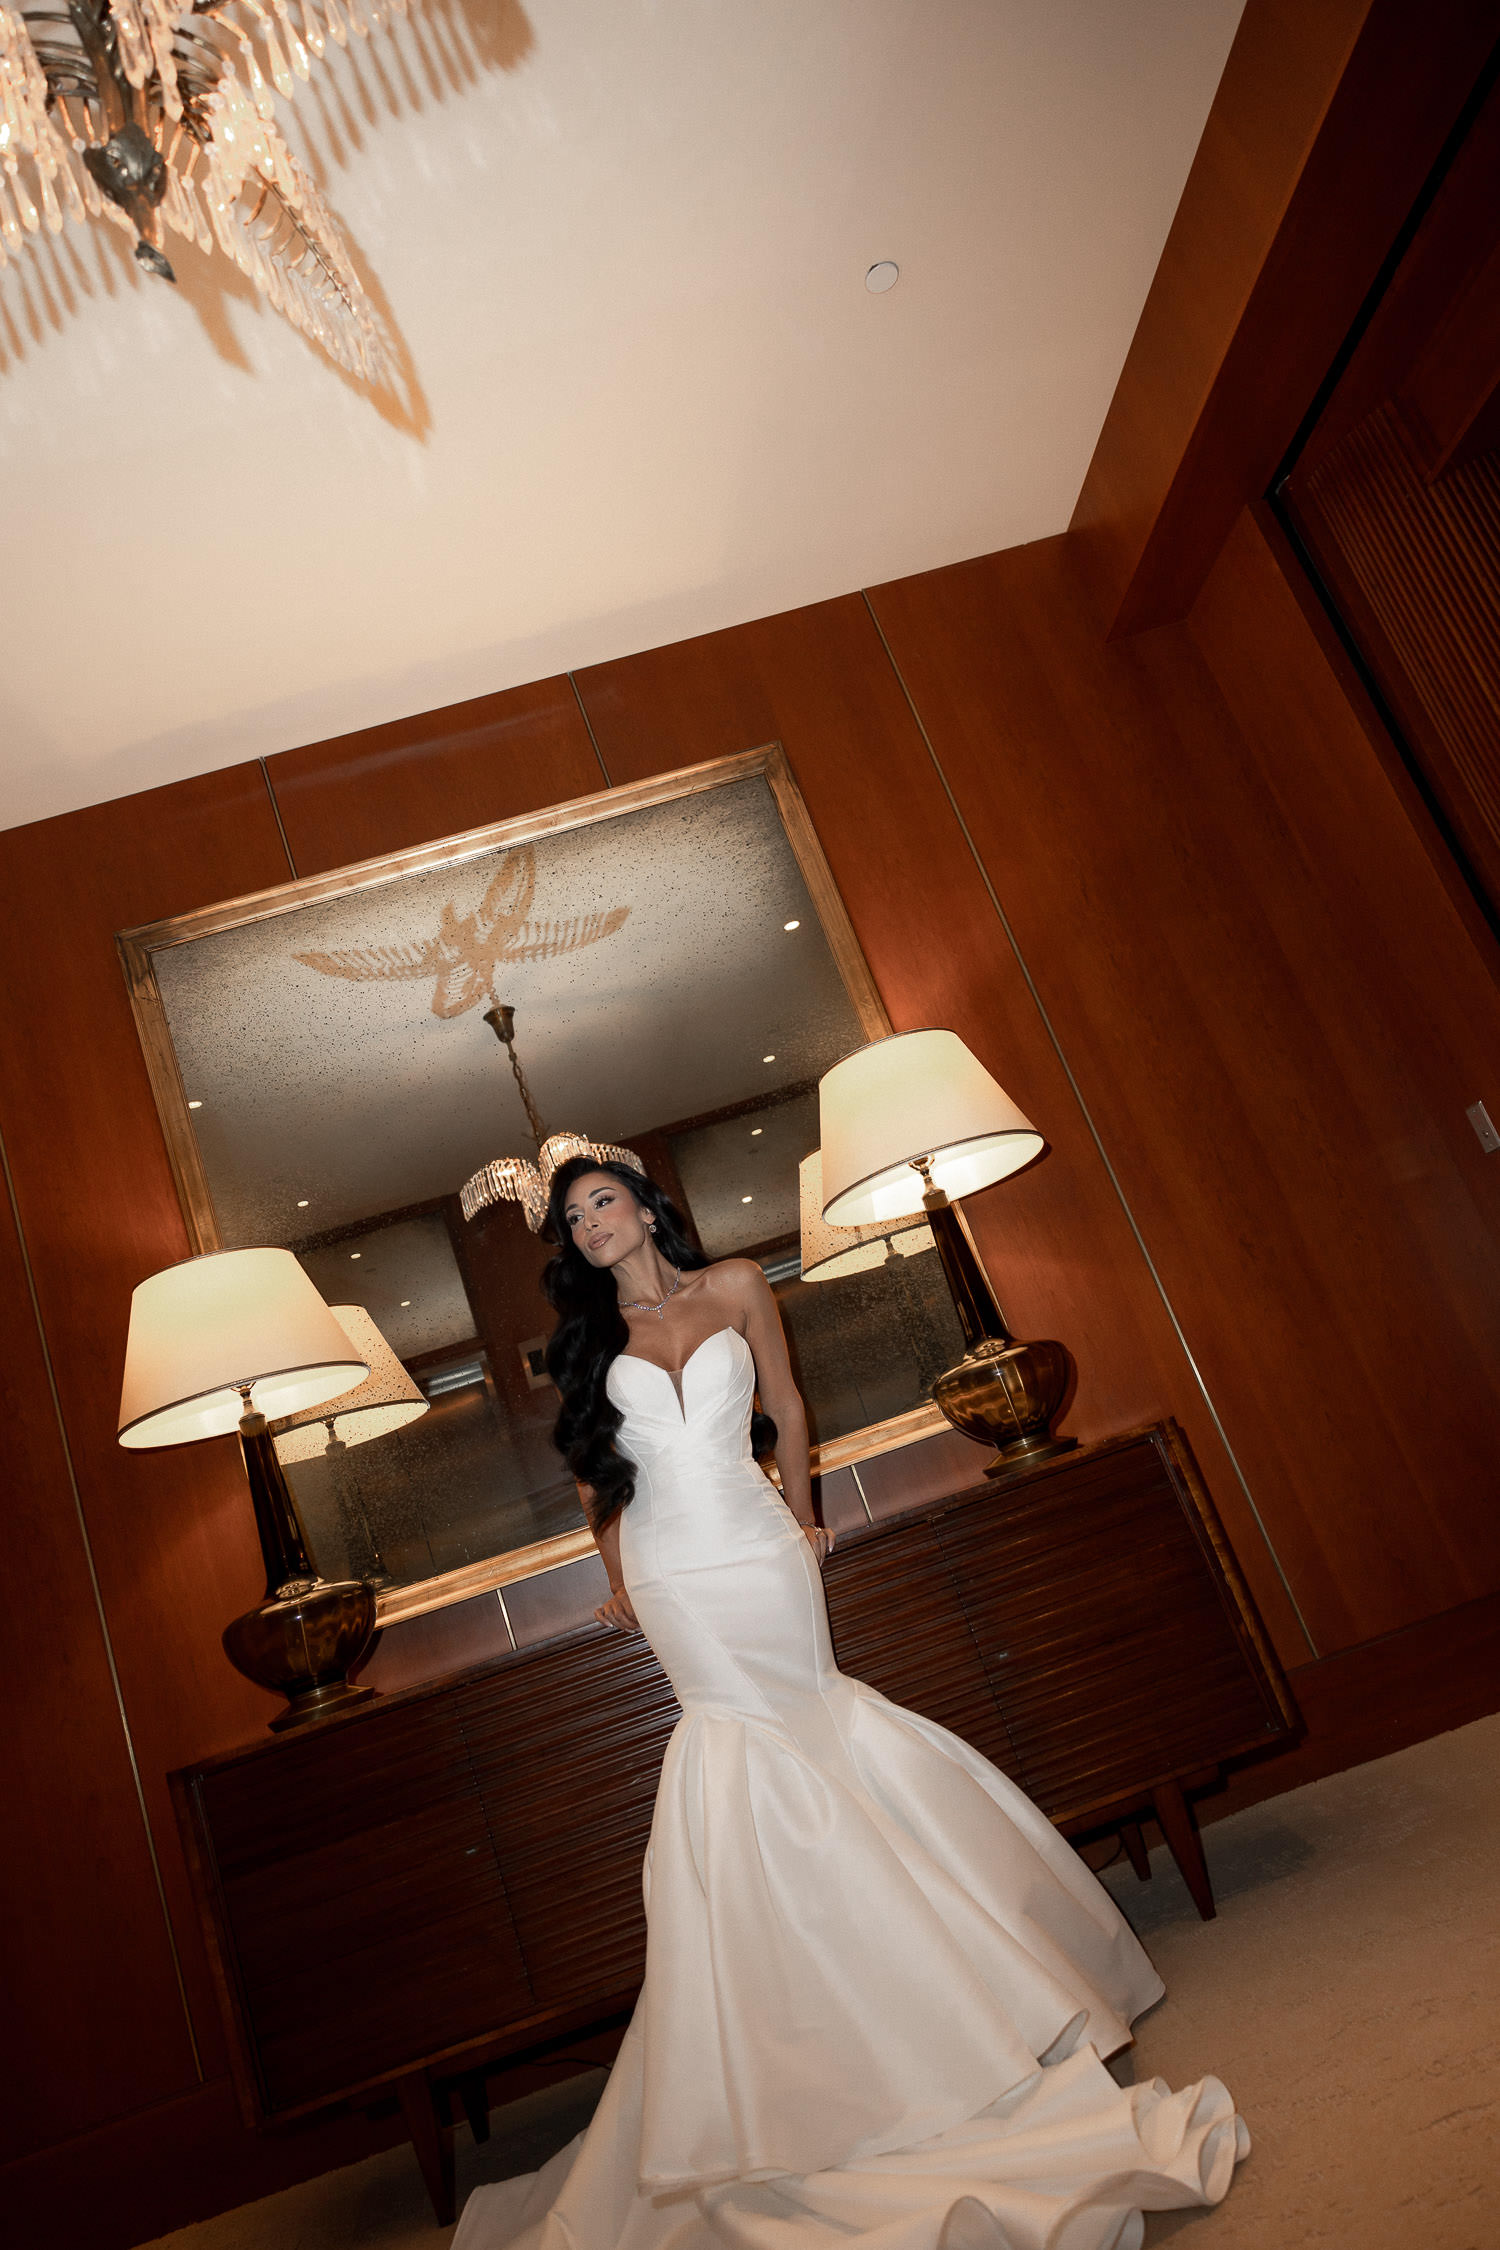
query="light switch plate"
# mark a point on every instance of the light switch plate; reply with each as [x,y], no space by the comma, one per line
[1484,1126]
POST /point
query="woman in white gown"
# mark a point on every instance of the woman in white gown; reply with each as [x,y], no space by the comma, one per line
[879,1984]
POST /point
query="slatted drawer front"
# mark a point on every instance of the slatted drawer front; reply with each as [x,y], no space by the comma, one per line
[1106,1631]
[365,1910]
[567,1751]
[898,1625]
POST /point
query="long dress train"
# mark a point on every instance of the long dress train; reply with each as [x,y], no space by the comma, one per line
[879,1984]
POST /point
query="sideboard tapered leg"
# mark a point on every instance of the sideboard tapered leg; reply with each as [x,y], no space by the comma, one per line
[1185,1844]
[432,2138]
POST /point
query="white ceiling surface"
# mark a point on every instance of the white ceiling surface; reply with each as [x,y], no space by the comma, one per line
[357,1097]
[623,244]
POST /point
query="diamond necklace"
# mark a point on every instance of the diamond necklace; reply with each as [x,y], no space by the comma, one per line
[638,1304]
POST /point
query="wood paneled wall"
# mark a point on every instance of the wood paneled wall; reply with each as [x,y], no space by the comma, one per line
[1165,887]
[1328,119]
[1274,1013]
[464,766]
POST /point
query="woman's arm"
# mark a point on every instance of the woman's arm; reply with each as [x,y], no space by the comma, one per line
[618,1611]
[780,1398]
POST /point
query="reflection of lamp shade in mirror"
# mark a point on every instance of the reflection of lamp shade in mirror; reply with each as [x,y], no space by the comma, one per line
[828,1253]
[385,1400]
[918,1094]
[203,1330]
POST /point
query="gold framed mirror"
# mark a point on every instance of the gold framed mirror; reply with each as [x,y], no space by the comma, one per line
[682,970]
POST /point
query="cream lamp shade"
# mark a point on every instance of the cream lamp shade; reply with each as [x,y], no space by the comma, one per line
[385,1400]
[916,1095]
[828,1253]
[202,1331]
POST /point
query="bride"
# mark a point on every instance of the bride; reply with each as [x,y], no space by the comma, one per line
[879,1984]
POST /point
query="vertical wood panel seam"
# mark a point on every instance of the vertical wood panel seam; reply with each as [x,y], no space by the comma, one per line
[1088,1119]
[104,1632]
[589,725]
[265,775]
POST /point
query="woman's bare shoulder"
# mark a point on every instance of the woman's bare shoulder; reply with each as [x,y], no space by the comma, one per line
[739,1281]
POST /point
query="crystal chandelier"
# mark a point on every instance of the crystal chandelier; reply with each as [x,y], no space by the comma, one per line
[515,1179]
[159,113]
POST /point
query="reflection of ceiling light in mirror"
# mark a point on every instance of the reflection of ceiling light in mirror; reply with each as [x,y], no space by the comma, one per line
[701,874]
[516,1179]
[791,925]
[195,1105]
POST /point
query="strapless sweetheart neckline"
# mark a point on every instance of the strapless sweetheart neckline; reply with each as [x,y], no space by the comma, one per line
[674,1375]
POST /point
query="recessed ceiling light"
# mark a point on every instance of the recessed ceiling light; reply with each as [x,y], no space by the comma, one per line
[195,1105]
[791,925]
[768,1058]
[747,1199]
[404,1303]
[883,276]
[356,1253]
[756,1131]
[302,1203]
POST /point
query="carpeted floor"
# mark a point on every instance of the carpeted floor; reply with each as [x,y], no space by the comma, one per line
[1349,1993]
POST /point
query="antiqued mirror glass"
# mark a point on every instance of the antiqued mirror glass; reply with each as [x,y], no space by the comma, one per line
[681,972]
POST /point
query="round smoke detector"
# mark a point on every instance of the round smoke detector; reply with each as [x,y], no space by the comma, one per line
[882,277]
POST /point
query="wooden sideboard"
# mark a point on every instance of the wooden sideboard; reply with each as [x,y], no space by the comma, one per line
[451,1875]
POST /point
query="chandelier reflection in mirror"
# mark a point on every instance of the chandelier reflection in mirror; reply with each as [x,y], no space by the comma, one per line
[515,1179]
[156,114]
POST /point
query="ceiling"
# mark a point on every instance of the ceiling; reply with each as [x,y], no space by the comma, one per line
[643,391]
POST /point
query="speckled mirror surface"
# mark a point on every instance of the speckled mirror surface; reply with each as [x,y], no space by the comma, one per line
[681,972]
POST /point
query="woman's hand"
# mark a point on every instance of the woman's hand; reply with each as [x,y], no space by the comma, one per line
[820,1541]
[618,1612]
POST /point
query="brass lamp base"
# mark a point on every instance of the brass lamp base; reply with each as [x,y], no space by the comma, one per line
[1002,1392]
[1005,1394]
[301,1645]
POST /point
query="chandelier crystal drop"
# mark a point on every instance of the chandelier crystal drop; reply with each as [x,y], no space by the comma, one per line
[515,1179]
[157,114]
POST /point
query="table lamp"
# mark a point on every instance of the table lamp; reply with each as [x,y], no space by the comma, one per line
[909,1124]
[386,1400]
[214,1343]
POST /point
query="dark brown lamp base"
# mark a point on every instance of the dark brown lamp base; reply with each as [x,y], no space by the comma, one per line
[1002,1392]
[302,1645]
[303,1638]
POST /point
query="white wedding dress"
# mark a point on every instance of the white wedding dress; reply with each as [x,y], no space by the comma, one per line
[878,1982]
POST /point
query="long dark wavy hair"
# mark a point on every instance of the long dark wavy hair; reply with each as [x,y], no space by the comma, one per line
[591,1331]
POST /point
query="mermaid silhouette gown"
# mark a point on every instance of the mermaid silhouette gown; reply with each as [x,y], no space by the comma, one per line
[878,1983]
